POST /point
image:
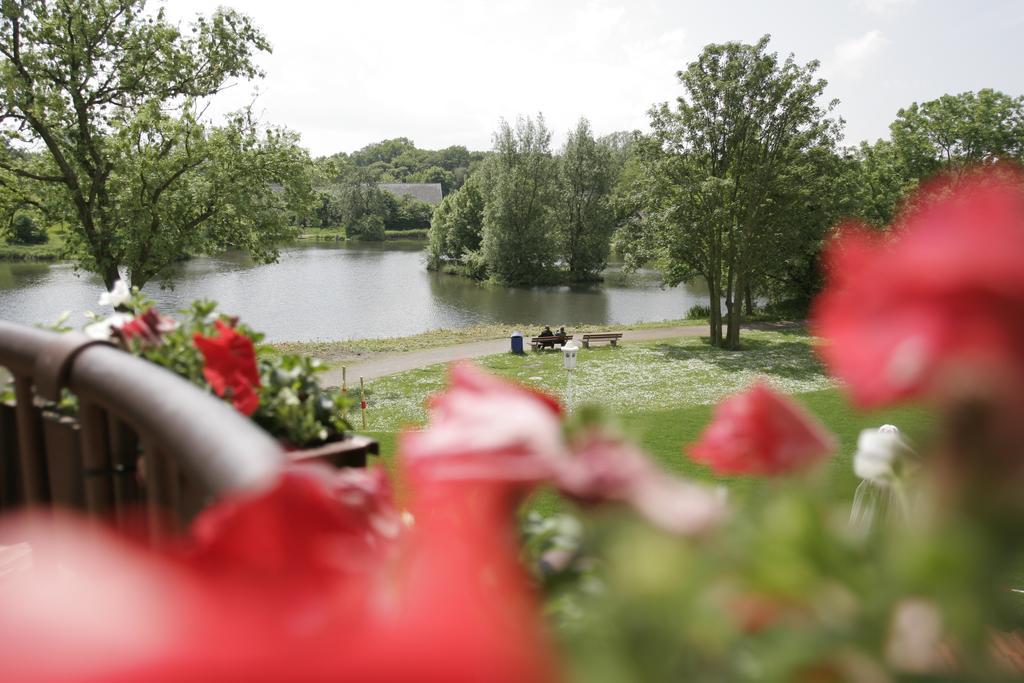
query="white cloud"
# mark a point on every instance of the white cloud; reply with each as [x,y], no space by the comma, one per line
[853,56]
[884,7]
[442,72]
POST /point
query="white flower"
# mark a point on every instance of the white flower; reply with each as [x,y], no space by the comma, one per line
[102,329]
[877,451]
[119,295]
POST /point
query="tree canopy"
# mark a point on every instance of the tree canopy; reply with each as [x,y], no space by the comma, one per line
[727,167]
[955,132]
[520,193]
[103,116]
[585,215]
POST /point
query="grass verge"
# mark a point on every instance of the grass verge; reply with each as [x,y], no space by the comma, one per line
[53,250]
[661,394]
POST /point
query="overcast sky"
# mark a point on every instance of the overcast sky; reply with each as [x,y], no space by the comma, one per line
[345,73]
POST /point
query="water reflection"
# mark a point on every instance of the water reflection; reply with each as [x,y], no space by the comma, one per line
[331,290]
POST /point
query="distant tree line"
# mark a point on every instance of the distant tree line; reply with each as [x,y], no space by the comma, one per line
[346,191]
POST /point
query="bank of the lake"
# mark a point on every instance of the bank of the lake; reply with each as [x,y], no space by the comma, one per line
[351,290]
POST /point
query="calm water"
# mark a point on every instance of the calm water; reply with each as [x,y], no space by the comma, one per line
[336,291]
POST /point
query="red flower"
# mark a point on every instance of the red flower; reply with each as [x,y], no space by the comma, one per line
[230,366]
[937,301]
[300,582]
[761,432]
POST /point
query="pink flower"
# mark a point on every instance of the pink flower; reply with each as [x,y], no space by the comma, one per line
[937,301]
[486,428]
[605,469]
[149,328]
[761,432]
[230,367]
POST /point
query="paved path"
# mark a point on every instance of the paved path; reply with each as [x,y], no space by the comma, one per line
[393,363]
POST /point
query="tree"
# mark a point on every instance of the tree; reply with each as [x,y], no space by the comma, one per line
[876,179]
[25,230]
[410,214]
[435,174]
[520,193]
[365,208]
[457,225]
[115,96]
[955,132]
[585,216]
[724,169]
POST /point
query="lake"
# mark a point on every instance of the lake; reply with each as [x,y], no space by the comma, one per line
[329,290]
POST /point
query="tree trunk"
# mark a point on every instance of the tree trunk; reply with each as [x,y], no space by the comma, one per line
[110,276]
[735,306]
[748,295]
[715,306]
[731,301]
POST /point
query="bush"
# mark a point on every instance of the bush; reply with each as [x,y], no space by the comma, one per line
[698,311]
[24,230]
[474,265]
[796,309]
[369,227]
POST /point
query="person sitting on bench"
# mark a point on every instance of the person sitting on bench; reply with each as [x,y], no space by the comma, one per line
[561,332]
[546,332]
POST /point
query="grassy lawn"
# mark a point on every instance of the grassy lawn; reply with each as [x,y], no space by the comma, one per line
[662,393]
[52,250]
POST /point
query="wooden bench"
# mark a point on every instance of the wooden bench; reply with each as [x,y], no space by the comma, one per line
[552,342]
[611,337]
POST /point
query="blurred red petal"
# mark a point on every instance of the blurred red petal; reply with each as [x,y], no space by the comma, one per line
[761,432]
[940,297]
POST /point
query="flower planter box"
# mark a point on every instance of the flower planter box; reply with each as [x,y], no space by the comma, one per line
[10,470]
[62,441]
[350,452]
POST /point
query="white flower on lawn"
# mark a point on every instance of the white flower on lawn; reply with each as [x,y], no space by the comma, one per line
[877,452]
[117,296]
[102,329]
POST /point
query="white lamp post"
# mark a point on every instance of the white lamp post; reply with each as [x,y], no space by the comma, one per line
[569,351]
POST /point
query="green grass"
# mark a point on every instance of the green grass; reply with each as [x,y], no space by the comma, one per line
[411,235]
[632,378]
[53,250]
[661,394]
[29,252]
[335,234]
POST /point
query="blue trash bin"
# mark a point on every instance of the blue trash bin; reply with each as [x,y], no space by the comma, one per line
[517,343]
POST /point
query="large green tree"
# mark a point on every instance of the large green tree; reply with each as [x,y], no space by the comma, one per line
[585,215]
[955,132]
[725,169]
[875,179]
[112,96]
[521,188]
[456,227]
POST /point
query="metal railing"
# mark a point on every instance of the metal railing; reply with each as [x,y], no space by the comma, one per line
[142,438]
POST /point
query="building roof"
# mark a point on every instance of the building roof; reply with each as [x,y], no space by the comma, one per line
[425,192]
